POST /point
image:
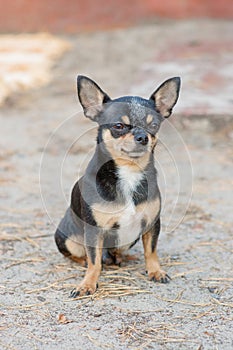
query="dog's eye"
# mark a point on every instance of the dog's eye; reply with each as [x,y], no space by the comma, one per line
[154,126]
[118,126]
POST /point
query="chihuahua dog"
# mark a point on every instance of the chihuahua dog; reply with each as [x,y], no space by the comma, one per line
[117,201]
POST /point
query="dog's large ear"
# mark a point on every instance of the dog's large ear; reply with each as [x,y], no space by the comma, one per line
[91,97]
[166,96]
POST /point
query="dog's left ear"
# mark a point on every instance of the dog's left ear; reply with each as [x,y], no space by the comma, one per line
[91,97]
[166,96]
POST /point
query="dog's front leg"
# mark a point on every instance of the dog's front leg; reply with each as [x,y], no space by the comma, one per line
[94,247]
[153,267]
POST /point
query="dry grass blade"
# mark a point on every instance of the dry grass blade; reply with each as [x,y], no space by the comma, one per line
[125,278]
[118,282]
[24,307]
[221,279]
[24,261]
[184,273]
[138,311]
[221,303]
[8,237]
[186,302]
[22,238]
[224,247]
[202,314]
[32,242]
[138,335]
[107,290]
[50,286]
[9,224]
[214,244]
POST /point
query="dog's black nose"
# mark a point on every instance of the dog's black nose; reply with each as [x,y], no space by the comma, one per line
[141,137]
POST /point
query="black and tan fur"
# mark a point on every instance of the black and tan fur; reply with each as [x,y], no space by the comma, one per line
[117,201]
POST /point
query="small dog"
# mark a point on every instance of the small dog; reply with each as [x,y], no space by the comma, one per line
[117,201]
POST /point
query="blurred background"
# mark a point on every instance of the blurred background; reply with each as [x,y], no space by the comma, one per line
[192,38]
[77,15]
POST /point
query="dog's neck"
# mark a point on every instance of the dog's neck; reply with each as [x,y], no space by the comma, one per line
[119,178]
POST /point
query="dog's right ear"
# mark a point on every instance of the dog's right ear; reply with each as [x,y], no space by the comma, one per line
[91,97]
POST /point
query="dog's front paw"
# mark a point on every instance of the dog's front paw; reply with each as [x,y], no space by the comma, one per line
[159,276]
[84,289]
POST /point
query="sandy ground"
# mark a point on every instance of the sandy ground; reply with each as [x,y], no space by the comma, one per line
[45,144]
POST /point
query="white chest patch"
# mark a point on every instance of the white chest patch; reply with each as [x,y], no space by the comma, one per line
[130,220]
[129,179]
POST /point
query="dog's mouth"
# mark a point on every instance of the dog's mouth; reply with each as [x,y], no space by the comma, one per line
[134,153]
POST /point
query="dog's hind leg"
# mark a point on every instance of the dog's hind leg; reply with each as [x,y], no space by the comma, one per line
[70,248]
[112,257]
[60,239]
[69,238]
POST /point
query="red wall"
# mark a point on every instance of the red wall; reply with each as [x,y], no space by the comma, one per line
[77,15]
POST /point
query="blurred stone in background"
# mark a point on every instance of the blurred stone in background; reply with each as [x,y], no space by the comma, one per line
[26,61]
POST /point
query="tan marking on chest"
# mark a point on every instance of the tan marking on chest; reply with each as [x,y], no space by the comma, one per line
[128,216]
[106,214]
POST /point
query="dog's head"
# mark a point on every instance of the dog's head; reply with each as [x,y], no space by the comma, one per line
[128,126]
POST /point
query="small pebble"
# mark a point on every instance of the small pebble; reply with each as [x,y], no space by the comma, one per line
[41,298]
